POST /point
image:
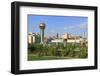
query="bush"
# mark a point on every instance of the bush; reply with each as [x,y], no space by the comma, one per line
[58,50]
[83,53]
[31,48]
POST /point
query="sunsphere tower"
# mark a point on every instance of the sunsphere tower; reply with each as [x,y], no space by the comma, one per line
[42,27]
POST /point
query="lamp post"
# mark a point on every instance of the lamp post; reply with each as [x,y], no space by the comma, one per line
[42,27]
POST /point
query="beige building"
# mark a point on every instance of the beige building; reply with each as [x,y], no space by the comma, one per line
[66,36]
[31,38]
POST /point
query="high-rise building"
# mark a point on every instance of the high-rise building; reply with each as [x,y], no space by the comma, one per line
[31,38]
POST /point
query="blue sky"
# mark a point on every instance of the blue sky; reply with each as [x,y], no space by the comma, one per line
[74,25]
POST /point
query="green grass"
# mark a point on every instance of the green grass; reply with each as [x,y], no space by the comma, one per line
[35,57]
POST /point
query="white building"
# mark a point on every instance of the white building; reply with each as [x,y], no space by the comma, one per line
[57,41]
[68,38]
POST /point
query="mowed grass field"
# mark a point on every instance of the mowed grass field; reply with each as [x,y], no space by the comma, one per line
[35,57]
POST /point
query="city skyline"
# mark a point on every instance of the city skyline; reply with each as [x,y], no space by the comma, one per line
[74,25]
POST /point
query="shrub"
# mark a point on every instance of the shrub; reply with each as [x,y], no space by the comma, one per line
[58,50]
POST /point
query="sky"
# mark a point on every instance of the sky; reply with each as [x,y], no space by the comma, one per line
[74,25]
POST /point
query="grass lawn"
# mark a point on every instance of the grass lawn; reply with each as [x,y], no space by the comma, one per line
[35,57]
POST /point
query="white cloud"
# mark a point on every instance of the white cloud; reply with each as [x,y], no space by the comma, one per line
[68,27]
[52,30]
[81,26]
